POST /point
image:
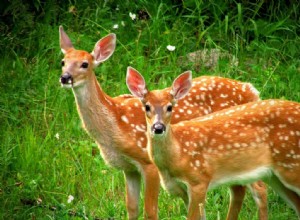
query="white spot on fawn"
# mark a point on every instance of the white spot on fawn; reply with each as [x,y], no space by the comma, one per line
[224,95]
[124,118]
[139,144]
[139,128]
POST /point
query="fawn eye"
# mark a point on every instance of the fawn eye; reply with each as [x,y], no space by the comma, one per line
[62,63]
[84,65]
[169,108]
[147,108]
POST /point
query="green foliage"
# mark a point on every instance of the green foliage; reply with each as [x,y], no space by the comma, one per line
[45,155]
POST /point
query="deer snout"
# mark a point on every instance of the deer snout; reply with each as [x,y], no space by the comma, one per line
[66,78]
[158,128]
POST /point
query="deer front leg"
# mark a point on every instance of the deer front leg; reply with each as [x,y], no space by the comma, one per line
[152,185]
[133,185]
[236,199]
[180,191]
[197,194]
[175,188]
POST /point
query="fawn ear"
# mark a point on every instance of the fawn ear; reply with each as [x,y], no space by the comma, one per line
[64,40]
[136,83]
[181,85]
[104,48]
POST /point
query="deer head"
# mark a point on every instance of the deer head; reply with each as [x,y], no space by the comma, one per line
[158,114]
[78,65]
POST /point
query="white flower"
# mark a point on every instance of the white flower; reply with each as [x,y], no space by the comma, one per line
[57,136]
[70,198]
[133,16]
[104,171]
[171,48]
[39,201]
[123,23]
[116,26]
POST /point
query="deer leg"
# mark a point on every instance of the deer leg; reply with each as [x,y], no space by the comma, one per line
[182,193]
[152,185]
[196,208]
[133,185]
[259,193]
[288,195]
[237,194]
[175,188]
[258,190]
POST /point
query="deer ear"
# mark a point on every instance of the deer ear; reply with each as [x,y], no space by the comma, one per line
[64,40]
[181,85]
[104,48]
[136,83]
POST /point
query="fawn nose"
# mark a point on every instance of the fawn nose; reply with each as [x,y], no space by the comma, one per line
[158,128]
[66,78]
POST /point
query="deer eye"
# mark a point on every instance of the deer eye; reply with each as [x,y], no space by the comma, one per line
[84,65]
[62,63]
[147,108]
[169,108]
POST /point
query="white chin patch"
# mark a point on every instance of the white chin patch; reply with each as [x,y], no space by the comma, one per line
[158,136]
[79,83]
[70,85]
[67,86]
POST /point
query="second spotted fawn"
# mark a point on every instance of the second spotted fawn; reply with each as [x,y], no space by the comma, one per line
[238,145]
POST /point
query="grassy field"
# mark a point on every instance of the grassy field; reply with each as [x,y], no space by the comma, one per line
[46,157]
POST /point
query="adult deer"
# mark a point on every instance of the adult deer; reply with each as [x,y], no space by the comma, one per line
[119,127]
[238,145]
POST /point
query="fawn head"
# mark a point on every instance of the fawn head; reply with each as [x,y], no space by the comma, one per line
[158,104]
[77,65]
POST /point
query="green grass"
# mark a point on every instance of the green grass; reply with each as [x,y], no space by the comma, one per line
[34,109]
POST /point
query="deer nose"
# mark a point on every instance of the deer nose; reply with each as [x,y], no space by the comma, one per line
[158,128]
[66,78]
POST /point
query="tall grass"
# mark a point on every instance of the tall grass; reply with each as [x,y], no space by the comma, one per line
[45,155]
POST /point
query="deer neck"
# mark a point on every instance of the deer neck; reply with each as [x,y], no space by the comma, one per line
[163,150]
[95,110]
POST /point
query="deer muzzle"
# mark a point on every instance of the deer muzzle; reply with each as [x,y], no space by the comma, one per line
[66,78]
[158,128]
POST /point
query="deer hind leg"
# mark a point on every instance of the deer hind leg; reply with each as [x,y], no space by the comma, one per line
[237,194]
[290,196]
[133,185]
[152,185]
[259,193]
